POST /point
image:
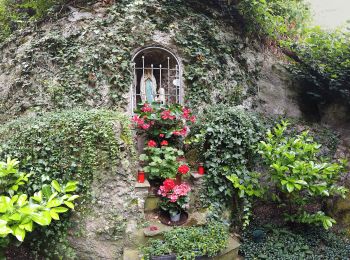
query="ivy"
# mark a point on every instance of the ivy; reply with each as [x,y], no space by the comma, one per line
[64,146]
[229,139]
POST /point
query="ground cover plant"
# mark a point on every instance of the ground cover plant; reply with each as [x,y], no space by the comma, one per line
[189,242]
[283,243]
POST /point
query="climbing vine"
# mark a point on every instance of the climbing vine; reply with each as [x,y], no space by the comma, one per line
[64,146]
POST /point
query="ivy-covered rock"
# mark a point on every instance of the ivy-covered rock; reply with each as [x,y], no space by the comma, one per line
[95,148]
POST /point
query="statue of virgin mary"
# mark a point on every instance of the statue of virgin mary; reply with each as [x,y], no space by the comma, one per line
[148,86]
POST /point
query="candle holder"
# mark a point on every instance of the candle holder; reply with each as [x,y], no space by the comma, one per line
[201,170]
[140,176]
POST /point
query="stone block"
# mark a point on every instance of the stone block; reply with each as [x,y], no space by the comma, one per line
[152,203]
[142,186]
[231,251]
[131,254]
[197,219]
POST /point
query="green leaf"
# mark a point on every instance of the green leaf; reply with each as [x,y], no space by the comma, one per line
[19,233]
[56,185]
[69,204]
[42,218]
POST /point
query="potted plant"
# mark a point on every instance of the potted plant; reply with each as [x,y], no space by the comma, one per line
[174,198]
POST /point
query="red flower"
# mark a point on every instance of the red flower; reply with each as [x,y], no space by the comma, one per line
[193,119]
[151,143]
[164,143]
[146,108]
[183,169]
[161,135]
[169,184]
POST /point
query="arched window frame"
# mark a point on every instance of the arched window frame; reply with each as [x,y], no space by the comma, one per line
[133,102]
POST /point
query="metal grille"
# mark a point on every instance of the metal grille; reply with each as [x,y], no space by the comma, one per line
[162,68]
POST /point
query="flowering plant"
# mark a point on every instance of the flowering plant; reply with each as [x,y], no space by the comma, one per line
[174,198]
[160,121]
[162,161]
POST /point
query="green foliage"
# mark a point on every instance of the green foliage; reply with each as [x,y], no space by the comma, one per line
[282,243]
[324,64]
[275,19]
[299,175]
[161,163]
[18,14]
[19,212]
[64,146]
[189,242]
[230,136]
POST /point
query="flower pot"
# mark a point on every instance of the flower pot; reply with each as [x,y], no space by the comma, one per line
[175,218]
[164,257]
[178,179]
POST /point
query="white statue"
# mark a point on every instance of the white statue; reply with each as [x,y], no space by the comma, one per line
[161,96]
[148,86]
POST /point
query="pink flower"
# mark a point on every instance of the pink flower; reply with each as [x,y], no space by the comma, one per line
[161,135]
[173,197]
[166,114]
[146,108]
[164,143]
[183,169]
[186,113]
[151,143]
[145,126]
[176,133]
[139,121]
[193,119]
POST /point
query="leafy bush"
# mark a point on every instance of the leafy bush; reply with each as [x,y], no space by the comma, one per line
[229,139]
[63,146]
[284,244]
[189,242]
[274,18]
[298,175]
[323,64]
[19,212]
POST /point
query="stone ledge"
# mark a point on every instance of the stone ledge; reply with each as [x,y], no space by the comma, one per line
[144,185]
[196,176]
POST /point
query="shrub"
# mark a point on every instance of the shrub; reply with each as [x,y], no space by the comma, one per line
[299,176]
[189,242]
[19,212]
[229,137]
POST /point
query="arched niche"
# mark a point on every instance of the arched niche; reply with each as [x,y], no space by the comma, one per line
[158,67]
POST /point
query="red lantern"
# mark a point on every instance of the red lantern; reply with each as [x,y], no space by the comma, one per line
[201,168]
[141,176]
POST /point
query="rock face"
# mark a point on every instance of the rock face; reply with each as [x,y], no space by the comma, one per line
[103,227]
[277,90]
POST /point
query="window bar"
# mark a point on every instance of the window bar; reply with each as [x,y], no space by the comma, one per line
[160,77]
[176,87]
[168,74]
[134,90]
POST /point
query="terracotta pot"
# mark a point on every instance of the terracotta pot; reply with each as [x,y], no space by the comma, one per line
[178,179]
